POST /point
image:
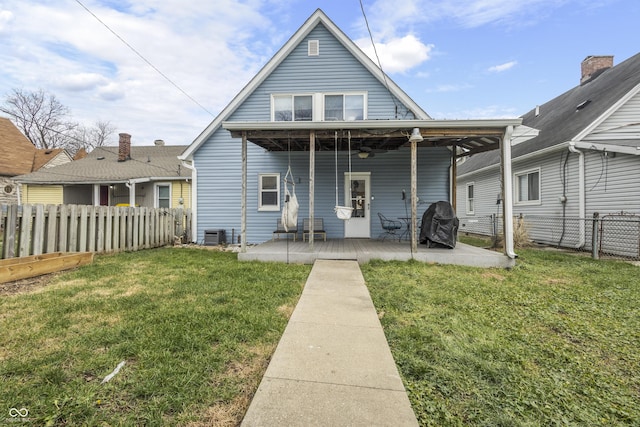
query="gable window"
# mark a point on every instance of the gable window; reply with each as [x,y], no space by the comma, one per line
[163,196]
[269,192]
[287,108]
[346,107]
[470,198]
[527,186]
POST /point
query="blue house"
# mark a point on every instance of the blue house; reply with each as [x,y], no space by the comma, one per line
[349,135]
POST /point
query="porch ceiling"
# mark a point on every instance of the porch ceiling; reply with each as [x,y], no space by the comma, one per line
[471,136]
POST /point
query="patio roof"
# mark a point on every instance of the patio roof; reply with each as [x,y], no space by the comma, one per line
[471,136]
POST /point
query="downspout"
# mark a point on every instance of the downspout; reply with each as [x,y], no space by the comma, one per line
[581,195]
[132,192]
[194,200]
[507,193]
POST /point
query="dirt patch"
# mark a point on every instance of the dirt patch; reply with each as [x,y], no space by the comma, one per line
[26,285]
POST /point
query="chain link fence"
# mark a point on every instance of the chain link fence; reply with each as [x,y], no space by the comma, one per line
[612,235]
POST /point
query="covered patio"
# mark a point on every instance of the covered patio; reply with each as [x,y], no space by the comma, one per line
[365,250]
[462,137]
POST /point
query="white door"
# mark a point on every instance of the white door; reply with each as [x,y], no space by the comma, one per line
[358,191]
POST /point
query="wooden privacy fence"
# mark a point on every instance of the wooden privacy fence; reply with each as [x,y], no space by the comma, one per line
[39,229]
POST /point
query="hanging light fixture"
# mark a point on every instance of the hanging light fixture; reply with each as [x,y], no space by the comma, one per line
[363,154]
[416,136]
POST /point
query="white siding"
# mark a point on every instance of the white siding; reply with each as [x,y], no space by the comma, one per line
[623,124]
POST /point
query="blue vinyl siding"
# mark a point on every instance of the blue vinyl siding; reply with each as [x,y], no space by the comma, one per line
[219,188]
[219,164]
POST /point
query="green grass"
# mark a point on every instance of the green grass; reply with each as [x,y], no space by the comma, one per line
[554,341]
[195,327]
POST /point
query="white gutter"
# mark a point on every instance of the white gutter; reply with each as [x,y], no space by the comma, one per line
[194,200]
[581,195]
[507,193]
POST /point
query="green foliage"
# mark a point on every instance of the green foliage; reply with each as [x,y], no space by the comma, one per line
[195,328]
[553,341]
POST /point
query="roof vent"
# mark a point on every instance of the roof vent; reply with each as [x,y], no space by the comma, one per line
[314,48]
[583,104]
[158,143]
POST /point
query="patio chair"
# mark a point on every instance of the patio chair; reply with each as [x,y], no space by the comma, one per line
[390,227]
[280,230]
[318,228]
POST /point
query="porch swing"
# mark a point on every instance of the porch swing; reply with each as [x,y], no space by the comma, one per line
[342,212]
[289,216]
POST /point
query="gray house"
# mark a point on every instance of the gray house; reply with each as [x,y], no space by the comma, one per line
[585,160]
[349,135]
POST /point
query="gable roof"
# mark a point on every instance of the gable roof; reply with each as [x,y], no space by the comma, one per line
[102,166]
[566,117]
[318,17]
[18,155]
[16,150]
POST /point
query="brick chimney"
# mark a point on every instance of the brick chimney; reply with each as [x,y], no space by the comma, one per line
[124,147]
[592,66]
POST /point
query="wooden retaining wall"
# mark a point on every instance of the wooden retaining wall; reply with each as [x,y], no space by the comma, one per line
[39,229]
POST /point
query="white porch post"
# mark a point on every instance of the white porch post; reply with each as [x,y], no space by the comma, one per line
[414,196]
[312,194]
[507,192]
[243,203]
[96,194]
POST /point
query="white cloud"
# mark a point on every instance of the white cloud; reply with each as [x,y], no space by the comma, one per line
[80,81]
[5,17]
[503,67]
[390,14]
[398,54]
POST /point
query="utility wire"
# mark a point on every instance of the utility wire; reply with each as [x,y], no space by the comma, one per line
[144,59]
[384,75]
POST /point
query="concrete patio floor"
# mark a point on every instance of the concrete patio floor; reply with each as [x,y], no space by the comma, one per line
[365,250]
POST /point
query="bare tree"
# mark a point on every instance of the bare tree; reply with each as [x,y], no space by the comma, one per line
[45,122]
[89,138]
[40,116]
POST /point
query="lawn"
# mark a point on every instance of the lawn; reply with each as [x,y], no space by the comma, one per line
[554,341]
[194,327]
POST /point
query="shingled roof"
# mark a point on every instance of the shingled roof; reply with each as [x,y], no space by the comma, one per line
[102,166]
[17,154]
[564,117]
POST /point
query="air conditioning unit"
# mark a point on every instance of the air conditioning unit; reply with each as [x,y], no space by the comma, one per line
[214,237]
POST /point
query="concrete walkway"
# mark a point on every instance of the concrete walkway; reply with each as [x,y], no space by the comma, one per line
[333,366]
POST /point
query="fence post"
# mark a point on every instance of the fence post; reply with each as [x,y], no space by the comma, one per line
[595,236]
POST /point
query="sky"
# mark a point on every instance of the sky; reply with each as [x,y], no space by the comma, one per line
[163,69]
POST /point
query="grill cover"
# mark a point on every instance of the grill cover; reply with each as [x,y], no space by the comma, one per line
[439,226]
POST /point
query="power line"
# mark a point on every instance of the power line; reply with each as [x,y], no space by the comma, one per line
[384,76]
[144,59]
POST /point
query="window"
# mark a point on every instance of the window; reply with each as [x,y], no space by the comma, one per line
[318,106]
[470,198]
[527,186]
[344,107]
[269,192]
[163,195]
[295,108]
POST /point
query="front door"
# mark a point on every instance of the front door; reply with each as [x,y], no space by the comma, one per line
[358,191]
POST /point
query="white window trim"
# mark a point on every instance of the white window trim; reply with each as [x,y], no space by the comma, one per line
[317,103]
[273,104]
[466,197]
[364,101]
[516,188]
[268,208]
[156,193]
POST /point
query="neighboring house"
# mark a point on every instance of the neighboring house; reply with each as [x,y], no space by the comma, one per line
[318,100]
[586,159]
[150,176]
[19,156]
